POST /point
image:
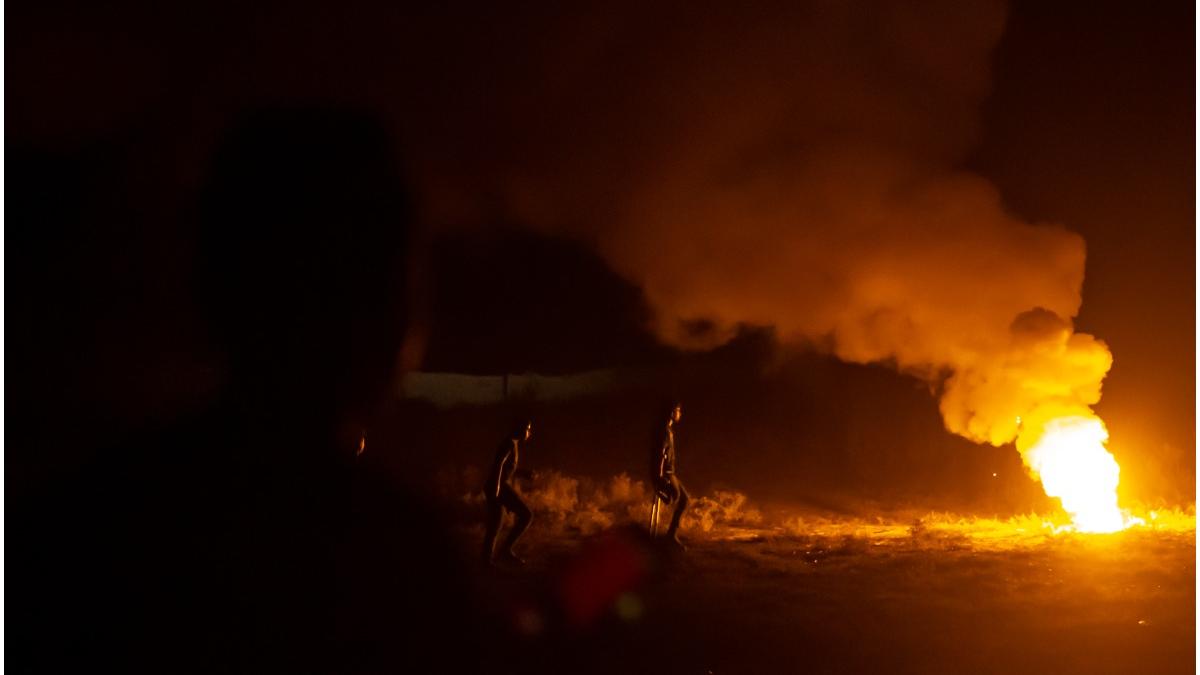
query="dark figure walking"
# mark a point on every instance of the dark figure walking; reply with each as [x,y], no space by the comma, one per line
[667,485]
[501,495]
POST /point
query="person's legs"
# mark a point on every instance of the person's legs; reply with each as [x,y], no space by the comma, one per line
[513,502]
[664,495]
[682,499]
[494,513]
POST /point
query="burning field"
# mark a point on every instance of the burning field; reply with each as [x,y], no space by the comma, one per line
[781,592]
[897,297]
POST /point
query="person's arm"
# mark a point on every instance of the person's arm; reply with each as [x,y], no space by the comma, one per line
[498,471]
[660,470]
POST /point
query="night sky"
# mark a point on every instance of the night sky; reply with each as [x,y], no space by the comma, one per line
[550,155]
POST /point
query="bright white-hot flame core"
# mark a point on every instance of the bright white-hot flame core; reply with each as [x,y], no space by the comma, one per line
[1073,464]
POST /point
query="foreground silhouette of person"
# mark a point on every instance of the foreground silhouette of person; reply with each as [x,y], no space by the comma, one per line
[666,482]
[256,537]
[500,494]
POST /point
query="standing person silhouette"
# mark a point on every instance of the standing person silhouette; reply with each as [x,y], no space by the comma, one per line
[246,536]
[500,495]
[663,477]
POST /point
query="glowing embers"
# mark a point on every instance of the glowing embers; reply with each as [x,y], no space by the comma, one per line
[1070,459]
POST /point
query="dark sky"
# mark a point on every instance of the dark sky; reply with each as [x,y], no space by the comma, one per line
[549,151]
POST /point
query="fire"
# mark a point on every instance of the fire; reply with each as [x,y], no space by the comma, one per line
[1074,465]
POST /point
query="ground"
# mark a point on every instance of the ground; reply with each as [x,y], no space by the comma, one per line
[845,598]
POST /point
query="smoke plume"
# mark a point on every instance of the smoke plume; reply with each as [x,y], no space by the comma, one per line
[795,165]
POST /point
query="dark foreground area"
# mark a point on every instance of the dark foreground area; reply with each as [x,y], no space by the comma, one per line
[849,599]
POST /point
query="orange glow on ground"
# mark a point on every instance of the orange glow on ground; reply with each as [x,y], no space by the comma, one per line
[971,532]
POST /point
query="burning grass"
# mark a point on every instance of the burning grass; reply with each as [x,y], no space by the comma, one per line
[936,594]
[572,507]
[582,506]
[905,592]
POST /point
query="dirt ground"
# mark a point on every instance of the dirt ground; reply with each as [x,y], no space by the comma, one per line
[848,599]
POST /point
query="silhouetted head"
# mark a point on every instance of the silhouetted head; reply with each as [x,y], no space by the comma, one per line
[304,224]
[676,413]
[523,431]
